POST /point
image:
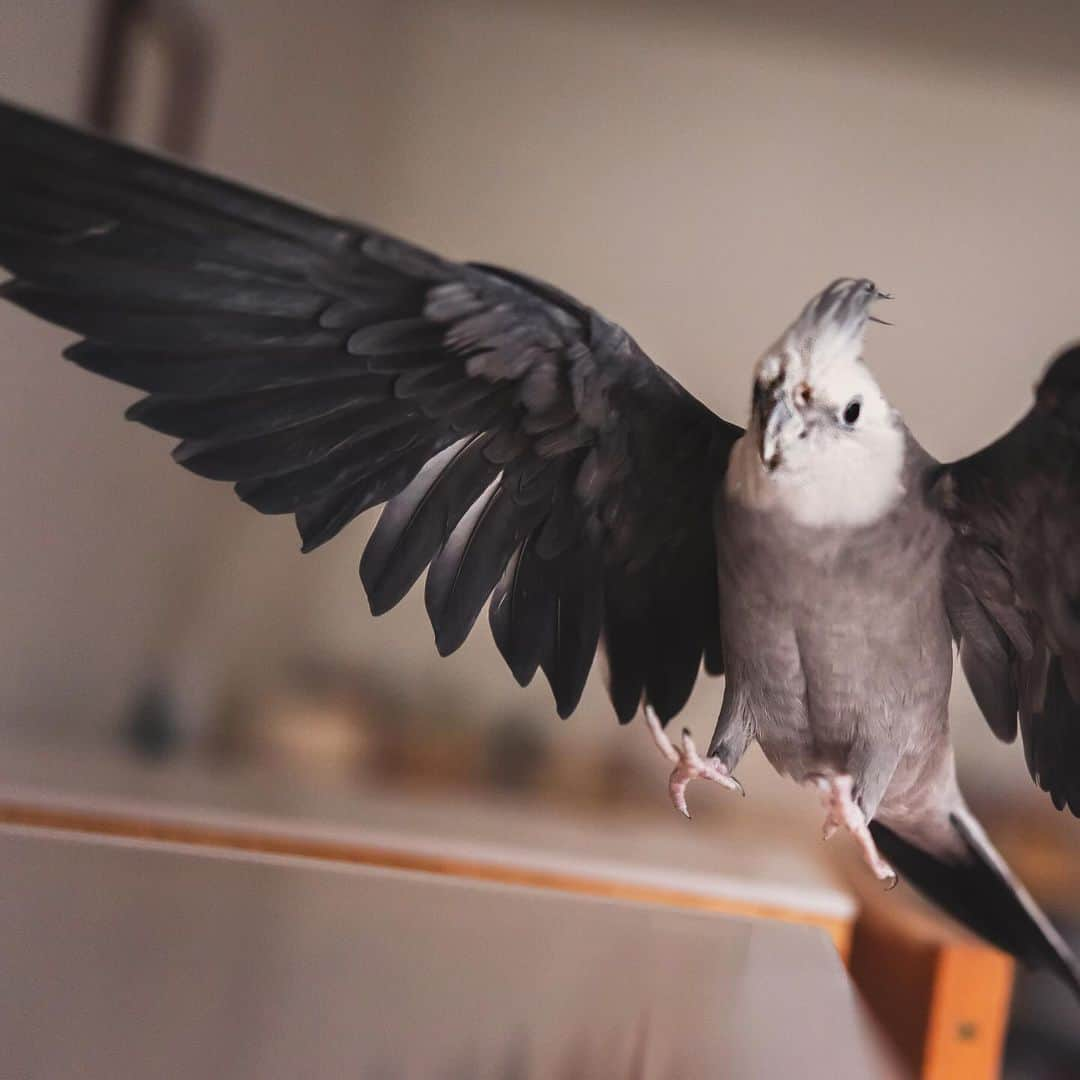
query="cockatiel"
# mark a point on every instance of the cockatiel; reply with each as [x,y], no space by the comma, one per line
[529,452]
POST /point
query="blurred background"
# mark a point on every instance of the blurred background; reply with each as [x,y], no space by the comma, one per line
[695,170]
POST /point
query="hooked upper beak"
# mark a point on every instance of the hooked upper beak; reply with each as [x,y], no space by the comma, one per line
[776,417]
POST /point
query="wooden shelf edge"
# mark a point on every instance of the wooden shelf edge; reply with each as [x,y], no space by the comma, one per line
[269,844]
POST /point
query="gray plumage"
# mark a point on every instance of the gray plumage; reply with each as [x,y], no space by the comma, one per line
[837,644]
[838,655]
[533,458]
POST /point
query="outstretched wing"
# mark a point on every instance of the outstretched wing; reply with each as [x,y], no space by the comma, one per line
[1013,589]
[529,450]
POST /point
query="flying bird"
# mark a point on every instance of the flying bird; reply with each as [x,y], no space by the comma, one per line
[532,458]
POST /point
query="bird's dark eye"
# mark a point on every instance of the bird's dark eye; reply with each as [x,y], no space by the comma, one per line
[852,410]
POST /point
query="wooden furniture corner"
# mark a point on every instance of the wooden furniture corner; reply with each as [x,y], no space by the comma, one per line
[941,996]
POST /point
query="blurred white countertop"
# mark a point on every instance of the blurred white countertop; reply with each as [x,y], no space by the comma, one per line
[726,854]
[135,961]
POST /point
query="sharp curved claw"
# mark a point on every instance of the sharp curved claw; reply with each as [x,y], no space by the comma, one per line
[689,764]
[842,810]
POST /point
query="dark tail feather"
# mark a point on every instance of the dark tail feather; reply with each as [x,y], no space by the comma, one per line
[980,891]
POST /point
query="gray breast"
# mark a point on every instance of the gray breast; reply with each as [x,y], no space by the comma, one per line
[834,638]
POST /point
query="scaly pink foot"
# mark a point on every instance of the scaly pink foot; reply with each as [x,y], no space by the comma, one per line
[842,811]
[689,764]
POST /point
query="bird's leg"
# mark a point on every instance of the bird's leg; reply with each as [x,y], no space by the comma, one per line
[842,811]
[689,764]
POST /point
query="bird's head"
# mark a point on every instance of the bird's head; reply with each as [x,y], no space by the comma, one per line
[824,440]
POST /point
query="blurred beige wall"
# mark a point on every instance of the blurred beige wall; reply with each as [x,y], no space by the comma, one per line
[695,170]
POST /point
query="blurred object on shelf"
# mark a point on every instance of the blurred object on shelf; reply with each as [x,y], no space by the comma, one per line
[150,728]
[312,716]
[147,45]
[517,754]
[316,736]
[607,774]
[325,717]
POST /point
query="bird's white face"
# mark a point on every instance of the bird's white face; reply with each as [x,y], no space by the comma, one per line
[823,445]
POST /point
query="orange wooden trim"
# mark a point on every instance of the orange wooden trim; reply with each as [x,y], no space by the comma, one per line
[941,996]
[969,1012]
[263,842]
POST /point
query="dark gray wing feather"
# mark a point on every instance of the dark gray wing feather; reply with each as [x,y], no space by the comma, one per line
[1013,590]
[527,449]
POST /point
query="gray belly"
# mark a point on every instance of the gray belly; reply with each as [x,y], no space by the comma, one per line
[834,643]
